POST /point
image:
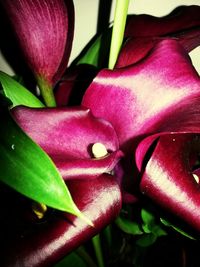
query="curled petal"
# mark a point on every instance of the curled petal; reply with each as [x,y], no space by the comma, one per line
[44,243]
[168,178]
[179,20]
[45,32]
[145,31]
[67,136]
[159,94]
[136,49]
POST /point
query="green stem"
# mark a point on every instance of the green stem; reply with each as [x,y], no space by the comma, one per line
[118,31]
[85,256]
[108,235]
[46,92]
[97,248]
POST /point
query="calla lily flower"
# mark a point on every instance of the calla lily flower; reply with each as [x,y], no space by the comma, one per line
[158,96]
[145,31]
[45,31]
[146,95]
[151,104]
[67,135]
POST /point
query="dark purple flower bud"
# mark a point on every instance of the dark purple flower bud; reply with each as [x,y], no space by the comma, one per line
[44,29]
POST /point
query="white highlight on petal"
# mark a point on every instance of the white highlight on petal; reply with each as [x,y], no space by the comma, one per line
[196,178]
[99,150]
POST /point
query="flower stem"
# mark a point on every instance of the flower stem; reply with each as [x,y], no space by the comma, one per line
[97,248]
[121,10]
[46,92]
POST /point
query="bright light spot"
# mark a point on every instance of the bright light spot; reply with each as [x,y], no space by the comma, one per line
[99,150]
[196,178]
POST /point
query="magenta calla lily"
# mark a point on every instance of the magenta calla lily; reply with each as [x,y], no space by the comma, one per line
[145,31]
[145,113]
[67,136]
[158,96]
[45,32]
[44,243]
[147,95]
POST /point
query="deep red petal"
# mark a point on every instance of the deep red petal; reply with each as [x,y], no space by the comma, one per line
[168,178]
[43,244]
[180,19]
[137,48]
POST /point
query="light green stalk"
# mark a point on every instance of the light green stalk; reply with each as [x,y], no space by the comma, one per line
[121,10]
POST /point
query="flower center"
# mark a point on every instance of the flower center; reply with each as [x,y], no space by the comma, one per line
[39,209]
[99,150]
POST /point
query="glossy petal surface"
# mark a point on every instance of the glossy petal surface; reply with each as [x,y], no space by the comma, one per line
[67,136]
[159,94]
[44,243]
[168,178]
[45,31]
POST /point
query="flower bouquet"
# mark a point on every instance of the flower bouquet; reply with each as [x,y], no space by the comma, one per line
[99,159]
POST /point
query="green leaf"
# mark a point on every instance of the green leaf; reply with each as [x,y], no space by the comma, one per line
[168,224]
[29,170]
[17,93]
[147,217]
[128,226]
[97,51]
[150,224]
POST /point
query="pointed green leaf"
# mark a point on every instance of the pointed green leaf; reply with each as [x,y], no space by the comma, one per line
[17,93]
[168,224]
[29,170]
